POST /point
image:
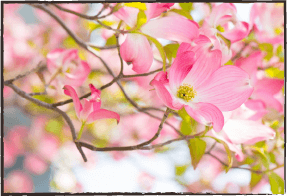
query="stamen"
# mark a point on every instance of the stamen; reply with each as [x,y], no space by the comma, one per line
[186,92]
[220,28]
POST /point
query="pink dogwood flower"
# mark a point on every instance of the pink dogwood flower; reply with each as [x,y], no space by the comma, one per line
[223,20]
[136,48]
[198,83]
[67,63]
[91,109]
[237,131]
[265,89]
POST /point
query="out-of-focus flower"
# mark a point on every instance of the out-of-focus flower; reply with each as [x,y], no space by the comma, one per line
[268,22]
[18,182]
[221,20]
[136,48]
[91,110]
[265,89]
[68,64]
[198,83]
[237,131]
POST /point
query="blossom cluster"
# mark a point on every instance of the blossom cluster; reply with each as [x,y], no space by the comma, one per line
[139,76]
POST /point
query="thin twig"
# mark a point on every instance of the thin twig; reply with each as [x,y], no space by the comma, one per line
[39,67]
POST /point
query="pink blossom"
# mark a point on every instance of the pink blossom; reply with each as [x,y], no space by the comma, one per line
[18,182]
[221,20]
[198,83]
[265,89]
[136,48]
[268,27]
[68,62]
[91,110]
[237,131]
[35,164]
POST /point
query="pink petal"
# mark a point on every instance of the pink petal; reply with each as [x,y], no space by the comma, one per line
[227,88]
[79,75]
[69,56]
[137,50]
[220,11]
[96,97]
[256,105]
[180,68]
[238,152]
[155,9]
[70,91]
[269,100]
[206,114]
[247,131]
[55,59]
[35,164]
[102,114]
[251,63]
[269,85]
[175,28]
[240,31]
[206,63]
[87,109]
[184,47]
[128,15]
[163,93]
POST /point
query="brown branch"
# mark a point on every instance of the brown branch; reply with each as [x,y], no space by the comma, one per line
[49,106]
[39,67]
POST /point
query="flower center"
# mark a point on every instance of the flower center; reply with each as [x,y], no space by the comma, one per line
[186,92]
[278,30]
[220,28]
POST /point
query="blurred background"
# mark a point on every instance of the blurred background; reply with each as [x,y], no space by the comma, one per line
[39,158]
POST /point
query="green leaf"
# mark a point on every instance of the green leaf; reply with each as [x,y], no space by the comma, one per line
[255,178]
[186,6]
[141,19]
[180,169]
[91,26]
[229,156]
[138,5]
[280,53]
[69,42]
[276,183]
[183,13]
[111,41]
[261,156]
[268,48]
[274,72]
[55,126]
[159,47]
[197,149]
[170,51]
[229,63]
[188,124]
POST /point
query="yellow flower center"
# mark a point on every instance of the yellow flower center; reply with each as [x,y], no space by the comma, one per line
[186,92]
[220,28]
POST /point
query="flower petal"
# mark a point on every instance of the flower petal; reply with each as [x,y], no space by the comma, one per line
[227,88]
[128,15]
[137,50]
[96,97]
[55,59]
[206,114]
[79,75]
[70,91]
[102,114]
[247,131]
[207,61]
[268,85]
[175,28]
[269,100]
[180,67]
[87,109]
[220,11]
[240,31]
[155,9]
[163,93]
[238,152]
